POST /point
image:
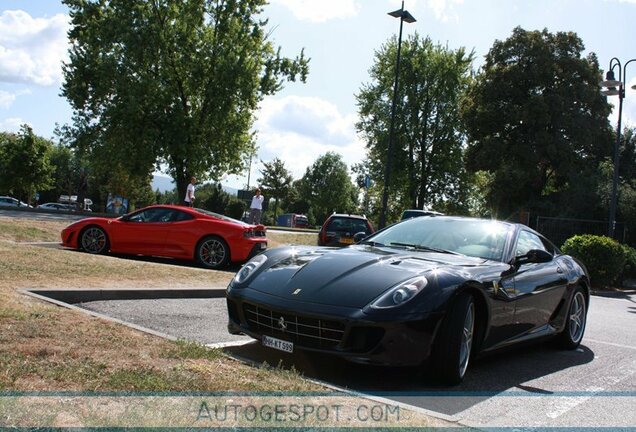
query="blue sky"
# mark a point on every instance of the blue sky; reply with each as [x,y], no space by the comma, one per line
[340,36]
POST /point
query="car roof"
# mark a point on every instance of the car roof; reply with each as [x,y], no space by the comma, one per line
[352,216]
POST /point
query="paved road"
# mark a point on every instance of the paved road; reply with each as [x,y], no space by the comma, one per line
[537,386]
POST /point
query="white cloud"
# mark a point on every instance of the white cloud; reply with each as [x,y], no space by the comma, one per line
[321,10]
[7,99]
[444,10]
[32,49]
[12,124]
[300,129]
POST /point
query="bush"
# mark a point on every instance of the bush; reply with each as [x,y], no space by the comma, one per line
[604,257]
[629,271]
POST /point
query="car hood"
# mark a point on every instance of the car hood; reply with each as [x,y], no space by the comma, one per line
[350,277]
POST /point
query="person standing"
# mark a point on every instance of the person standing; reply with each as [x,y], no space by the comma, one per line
[256,207]
[189,197]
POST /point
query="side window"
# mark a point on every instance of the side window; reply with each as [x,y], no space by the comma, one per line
[179,216]
[138,217]
[528,241]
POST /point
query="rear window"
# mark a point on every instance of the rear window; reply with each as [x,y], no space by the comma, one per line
[348,225]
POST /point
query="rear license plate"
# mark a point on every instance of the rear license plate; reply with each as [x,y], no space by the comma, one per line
[346,240]
[278,344]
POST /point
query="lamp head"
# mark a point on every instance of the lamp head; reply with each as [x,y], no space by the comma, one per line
[610,80]
[404,15]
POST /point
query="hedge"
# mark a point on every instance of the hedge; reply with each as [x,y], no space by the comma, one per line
[603,256]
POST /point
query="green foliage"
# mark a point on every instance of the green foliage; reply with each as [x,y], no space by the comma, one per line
[327,187]
[535,119]
[235,208]
[25,165]
[427,156]
[275,182]
[604,257]
[629,271]
[173,82]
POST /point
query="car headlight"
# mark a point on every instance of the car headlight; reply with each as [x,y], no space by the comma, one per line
[249,268]
[401,293]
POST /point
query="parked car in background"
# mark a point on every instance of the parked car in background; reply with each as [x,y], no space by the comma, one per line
[411,213]
[339,229]
[292,220]
[171,231]
[432,292]
[57,206]
[8,201]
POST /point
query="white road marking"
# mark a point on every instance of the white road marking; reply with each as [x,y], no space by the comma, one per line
[610,343]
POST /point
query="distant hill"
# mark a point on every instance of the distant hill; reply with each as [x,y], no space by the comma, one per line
[164,184]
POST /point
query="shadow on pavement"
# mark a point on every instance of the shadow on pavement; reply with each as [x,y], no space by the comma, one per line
[487,377]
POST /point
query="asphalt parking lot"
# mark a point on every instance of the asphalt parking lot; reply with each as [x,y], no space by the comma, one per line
[536,386]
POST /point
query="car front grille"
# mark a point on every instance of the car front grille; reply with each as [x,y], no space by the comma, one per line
[259,233]
[304,331]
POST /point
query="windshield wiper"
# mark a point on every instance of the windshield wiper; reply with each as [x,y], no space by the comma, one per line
[371,243]
[422,247]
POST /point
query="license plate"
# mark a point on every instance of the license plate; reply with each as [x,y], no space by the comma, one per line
[278,344]
[346,240]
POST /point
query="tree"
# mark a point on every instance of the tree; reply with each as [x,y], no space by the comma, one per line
[171,81]
[276,182]
[427,164]
[327,186]
[25,166]
[535,118]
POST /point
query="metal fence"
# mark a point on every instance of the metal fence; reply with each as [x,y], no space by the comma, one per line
[558,230]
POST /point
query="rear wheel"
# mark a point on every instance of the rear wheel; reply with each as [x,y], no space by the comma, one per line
[213,252]
[94,240]
[452,352]
[572,334]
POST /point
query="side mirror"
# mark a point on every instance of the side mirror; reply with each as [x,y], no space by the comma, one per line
[534,256]
[359,236]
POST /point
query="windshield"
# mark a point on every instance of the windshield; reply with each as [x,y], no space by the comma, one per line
[473,237]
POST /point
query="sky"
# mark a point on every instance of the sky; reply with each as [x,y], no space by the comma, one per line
[304,121]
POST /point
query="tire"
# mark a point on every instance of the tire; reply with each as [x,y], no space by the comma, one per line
[453,346]
[94,240]
[213,252]
[575,321]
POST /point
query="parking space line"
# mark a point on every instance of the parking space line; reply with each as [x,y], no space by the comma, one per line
[610,343]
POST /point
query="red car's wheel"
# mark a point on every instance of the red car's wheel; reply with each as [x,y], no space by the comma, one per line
[94,240]
[213,252]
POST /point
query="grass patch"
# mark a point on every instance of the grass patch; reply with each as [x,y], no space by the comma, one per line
[30,230]
[184,349]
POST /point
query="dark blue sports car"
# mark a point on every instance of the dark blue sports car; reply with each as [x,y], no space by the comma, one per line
[434,290]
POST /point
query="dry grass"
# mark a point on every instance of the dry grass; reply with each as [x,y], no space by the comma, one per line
[43,347]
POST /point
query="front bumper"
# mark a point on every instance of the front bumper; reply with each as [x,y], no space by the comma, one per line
[344,332]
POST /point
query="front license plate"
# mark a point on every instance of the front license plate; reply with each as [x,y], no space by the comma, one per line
[278,344]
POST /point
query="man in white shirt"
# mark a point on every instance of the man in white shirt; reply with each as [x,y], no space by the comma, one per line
[256,207]
[189,197]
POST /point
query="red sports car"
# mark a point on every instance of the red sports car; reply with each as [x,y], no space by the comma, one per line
[211,239]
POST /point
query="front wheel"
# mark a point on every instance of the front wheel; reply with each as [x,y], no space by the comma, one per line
[94,240]
[572,334]
[452,350]
[213,252]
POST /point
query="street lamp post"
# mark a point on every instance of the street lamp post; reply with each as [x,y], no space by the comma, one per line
[404,16]
[613,87]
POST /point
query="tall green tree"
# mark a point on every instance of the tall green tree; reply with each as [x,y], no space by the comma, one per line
[535,118]
[327,187]
[174,82]
[25,165]
[276,182]
[427,164]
